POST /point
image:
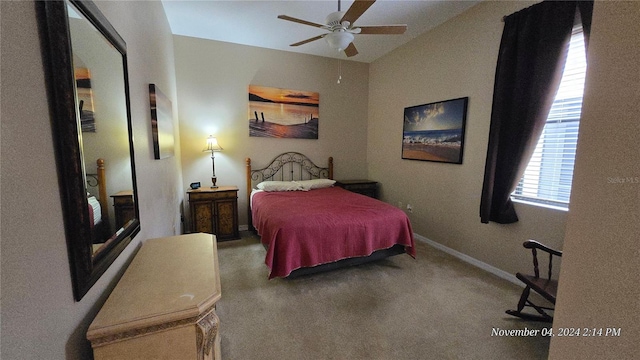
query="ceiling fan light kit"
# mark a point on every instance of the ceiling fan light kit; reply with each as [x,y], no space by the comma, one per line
[339,40]
[340,25]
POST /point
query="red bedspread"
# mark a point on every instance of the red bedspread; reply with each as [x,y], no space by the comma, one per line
[308,228]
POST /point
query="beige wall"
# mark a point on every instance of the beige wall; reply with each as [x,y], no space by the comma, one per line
[213,82]
[40,319]
[456,59]
[600,272]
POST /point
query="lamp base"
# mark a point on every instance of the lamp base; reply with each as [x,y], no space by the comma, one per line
[213,181]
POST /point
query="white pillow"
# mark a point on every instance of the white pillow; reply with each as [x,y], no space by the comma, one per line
[315,183]
[279,186]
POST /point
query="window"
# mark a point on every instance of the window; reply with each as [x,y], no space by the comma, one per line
[547,179]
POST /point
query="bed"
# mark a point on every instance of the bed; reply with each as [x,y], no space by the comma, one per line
[308,226]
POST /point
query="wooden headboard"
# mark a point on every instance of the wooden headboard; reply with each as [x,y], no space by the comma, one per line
[287,166]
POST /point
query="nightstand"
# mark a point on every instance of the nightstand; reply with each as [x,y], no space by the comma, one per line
[364,187]
[123,207]
[215,211]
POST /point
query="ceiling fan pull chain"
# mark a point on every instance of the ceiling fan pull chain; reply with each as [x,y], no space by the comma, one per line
[339,71]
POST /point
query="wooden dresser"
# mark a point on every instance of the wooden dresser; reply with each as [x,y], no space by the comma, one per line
[164,305]
[123,207]
[215,211]
[364,187]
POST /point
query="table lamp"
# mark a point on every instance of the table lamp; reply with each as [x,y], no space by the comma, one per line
[213,146]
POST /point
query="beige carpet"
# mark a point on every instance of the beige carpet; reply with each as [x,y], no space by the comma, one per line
[431,307]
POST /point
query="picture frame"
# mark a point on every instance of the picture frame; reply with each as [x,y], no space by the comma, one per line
[82,75]
[161,124]
[283,113]
[435,131]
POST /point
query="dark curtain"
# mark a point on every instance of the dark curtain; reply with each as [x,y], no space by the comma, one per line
[586,11]
[533,50]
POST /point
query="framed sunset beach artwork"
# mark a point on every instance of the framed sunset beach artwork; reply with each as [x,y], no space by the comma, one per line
[85,96]
[281,113]
[435,131]
[161,124]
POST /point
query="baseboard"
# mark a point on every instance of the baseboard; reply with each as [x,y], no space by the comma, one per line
[468,259]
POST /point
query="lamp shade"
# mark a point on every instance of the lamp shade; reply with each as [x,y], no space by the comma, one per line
[339,40]
[212,144]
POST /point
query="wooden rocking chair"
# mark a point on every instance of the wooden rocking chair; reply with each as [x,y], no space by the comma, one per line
[548,288]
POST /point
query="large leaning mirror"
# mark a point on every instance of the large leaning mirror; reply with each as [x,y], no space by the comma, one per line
[88,92]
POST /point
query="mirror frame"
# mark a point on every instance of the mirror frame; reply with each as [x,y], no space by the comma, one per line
[57,57]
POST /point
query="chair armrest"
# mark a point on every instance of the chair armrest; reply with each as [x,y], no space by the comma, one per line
[532,244]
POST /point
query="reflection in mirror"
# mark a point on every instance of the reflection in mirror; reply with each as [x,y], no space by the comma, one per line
[88,96]
[100,99]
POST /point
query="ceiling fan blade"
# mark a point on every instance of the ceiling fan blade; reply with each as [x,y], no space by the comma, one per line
[308,40]
[388,29]
[299,21]
[351,50]
[356,10]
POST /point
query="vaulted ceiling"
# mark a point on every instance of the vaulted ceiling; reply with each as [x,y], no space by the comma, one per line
[255,23]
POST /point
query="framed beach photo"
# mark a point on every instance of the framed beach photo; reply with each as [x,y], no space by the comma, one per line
[161,123]
[84,92]
[435,131]
[281,113]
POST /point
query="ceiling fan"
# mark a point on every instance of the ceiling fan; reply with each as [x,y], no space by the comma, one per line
[342,30]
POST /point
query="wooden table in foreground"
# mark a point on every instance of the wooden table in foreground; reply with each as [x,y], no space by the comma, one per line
[164,305]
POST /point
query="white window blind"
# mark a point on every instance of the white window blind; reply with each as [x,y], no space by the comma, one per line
[547,179]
